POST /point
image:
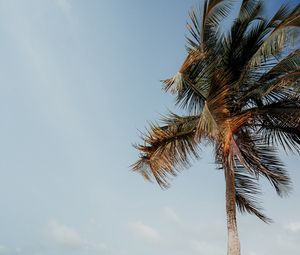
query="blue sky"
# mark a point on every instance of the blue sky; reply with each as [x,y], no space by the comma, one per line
[78,78]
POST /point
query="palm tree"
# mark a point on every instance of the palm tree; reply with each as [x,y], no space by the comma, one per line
[240,89]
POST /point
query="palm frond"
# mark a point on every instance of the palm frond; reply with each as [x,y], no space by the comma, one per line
[207,125]
[247,190]
[204,24]
[288,64]
[250,8]
[280,15]
[218,11]
[279,123]
[167,149]
[279,82]
[260,158]
[192,84]
[188,95]
[218,99]
[283,35]
[195,30]
[239,45]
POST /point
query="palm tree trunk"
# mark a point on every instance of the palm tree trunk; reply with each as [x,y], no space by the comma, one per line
[233,238]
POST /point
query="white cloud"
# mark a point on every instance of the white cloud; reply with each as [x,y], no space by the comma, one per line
[294,227]
[65,235]
[172,215]
[70,238]
[144,231]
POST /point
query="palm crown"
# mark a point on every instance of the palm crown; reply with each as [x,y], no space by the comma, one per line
[241,93]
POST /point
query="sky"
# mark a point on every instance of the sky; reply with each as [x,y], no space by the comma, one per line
[78,79]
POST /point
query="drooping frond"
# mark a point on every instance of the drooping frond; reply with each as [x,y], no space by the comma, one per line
[189,95]
[279,123]
[167,149]
[247,190]
[279,81]
[289,64]
[260,159]
[196,82]
[245,181]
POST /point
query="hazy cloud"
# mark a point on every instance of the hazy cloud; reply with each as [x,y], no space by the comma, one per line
[70,238]
[294,227]
[144,231]
[170,214]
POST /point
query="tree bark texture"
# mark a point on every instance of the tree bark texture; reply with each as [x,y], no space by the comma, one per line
[233,238]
